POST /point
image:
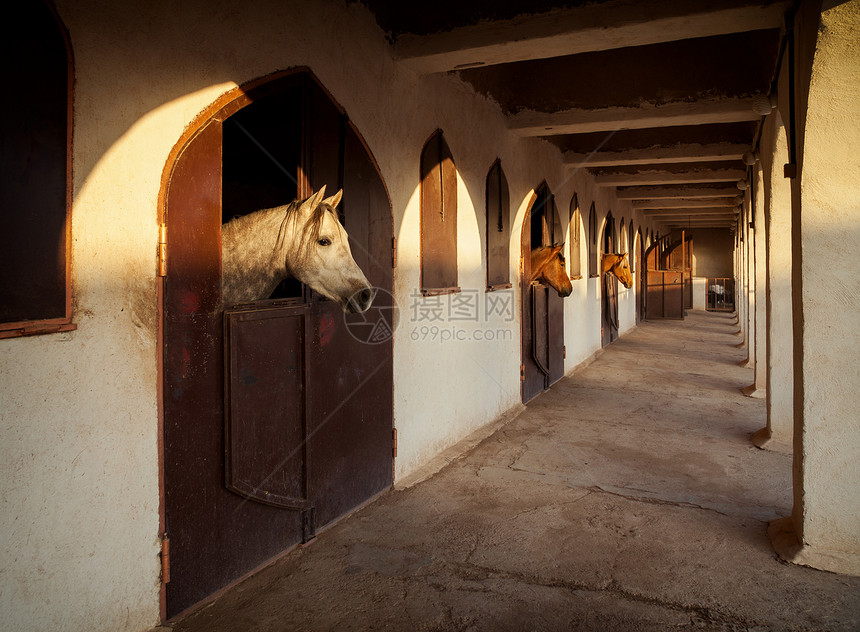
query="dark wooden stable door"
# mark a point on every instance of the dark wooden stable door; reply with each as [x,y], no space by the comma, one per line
[664,292]
[277,418]
[542,307]
[609,302]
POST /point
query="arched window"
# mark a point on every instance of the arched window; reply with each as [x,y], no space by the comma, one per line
[36,134]
[575,228]
[592,241]
[498,229]
[631,244]
[438,218]
[622,239]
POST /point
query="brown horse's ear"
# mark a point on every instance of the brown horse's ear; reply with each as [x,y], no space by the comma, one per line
[558,247]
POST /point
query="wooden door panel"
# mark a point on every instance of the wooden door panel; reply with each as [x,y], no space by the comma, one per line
[555,334]
[265,405]
[208,526]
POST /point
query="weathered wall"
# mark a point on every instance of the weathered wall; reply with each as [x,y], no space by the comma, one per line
[712,252]
[827,434]
[79,497]
[780,404]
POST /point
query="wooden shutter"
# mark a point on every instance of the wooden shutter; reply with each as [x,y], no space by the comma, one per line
[35,135]
[438,218]
[575,228]
[498,229]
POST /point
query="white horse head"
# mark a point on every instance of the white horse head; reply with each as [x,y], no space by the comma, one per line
[310,245]
[320,256]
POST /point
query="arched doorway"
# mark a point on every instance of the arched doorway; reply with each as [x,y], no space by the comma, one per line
[542,307]
[609,304]
[277,414]
[639,265]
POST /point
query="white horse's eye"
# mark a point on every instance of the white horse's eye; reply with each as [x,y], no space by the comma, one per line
[325,241]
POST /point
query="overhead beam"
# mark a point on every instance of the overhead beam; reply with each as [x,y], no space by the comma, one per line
[693,152]
[590,28]
[670,192]
[693,212]
[647,115]
[684,203]
[655,177]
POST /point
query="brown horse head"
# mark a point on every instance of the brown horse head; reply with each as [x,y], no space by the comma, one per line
[548,267]
[617,264]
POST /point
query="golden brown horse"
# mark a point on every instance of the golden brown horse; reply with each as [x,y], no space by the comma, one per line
[548,267]
[617,264]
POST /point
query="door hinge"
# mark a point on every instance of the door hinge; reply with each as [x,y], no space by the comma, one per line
[564,352]
[522,373]
[165,559]
[394,443]
[394,252]
[162,250]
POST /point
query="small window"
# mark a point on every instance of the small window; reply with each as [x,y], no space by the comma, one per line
[592,241]
[35,134]
[575,229]
[631,241]
[498,229]
[622,240]
[438,218]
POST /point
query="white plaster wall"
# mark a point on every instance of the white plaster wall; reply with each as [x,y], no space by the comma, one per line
[79,496]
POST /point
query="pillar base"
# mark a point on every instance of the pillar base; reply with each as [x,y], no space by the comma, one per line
[764,440]
[789,548]
[752,391]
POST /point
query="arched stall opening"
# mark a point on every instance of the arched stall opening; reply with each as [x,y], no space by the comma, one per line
[277,413]
[542,306]
[609,284]
[638,258]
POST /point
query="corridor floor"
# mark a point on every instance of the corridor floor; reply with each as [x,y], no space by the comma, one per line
[627,497]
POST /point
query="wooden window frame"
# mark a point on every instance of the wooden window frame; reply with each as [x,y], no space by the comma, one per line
[498,220]
[438,205]
[55,324]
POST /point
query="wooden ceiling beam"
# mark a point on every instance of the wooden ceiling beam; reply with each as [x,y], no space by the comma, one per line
[675,192]
[584,29]
[685,203]
[654,177]
[646,115]
[691,152]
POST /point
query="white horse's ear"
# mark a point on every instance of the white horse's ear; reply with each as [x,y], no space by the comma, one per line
[314,200]
[334,200]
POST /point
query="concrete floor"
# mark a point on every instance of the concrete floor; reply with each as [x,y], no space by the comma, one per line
[627,497]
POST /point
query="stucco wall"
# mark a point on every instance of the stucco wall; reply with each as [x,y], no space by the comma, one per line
[826,403]
[780,403]
[79,496]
